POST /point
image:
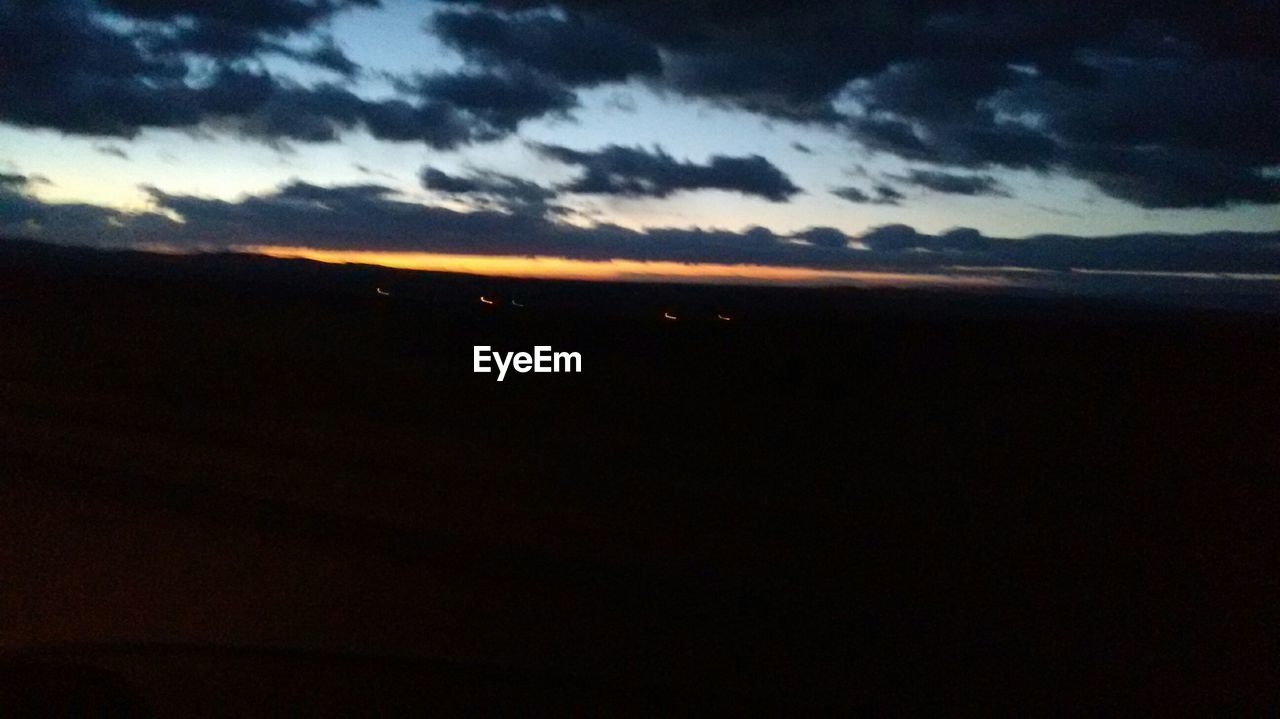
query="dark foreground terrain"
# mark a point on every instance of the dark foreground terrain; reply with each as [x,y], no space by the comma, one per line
[234,486]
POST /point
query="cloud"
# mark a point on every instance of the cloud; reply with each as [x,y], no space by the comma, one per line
[21,213]
[622,102]
[262,15]
[893,238]
[239,29]
[69,68]
[226,44]
[12,180]
[953,184]
[326,54]
[491,190]
[884,195]
[636,172]
[259,106]
[499,102]
[824,237]
[1159,179]
[1163,105]
[65,70]
[1162,128]
[964,239]
[111,150]
[578,50]
[376,217]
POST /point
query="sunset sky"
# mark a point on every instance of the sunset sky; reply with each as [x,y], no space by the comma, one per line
[836,136]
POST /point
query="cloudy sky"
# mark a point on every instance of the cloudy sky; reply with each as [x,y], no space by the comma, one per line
[891,135]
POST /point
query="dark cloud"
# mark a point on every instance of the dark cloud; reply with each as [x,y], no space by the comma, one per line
[264,15]
[64,70]
[111,150]
[75,75]
[22,214]
[893,238]
[366,170]
[498,102]
[371,216]
[1178,101]
[953,184]
[1232,252]
[239,28]
[325,197]
[884,195]
[67,68]
[786,60]
[375,217]
[214,40]
[442,110]
[228,43]
[852,194]
[1171,129]
[326,54]
[930,90]
[824,237]
[1156,178]
[978,143]
[577,49]
[888,195]
[964,239]
[491,189]
[1170,104]
[636,172]
[433,123]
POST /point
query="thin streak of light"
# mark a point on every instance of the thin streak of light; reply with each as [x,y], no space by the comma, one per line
[1245,276]
[629,270]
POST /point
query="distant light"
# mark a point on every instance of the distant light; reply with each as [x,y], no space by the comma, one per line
[383,292]
[669,316]
[517,304]
[486,300]
[726,319]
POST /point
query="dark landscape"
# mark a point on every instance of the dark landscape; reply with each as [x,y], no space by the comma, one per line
[260,485]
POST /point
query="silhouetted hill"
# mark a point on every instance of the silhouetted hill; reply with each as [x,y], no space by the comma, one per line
[263,481]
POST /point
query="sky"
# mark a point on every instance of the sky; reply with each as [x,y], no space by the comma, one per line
[853,136]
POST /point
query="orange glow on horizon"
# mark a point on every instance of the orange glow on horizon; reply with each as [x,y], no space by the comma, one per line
[561,268]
